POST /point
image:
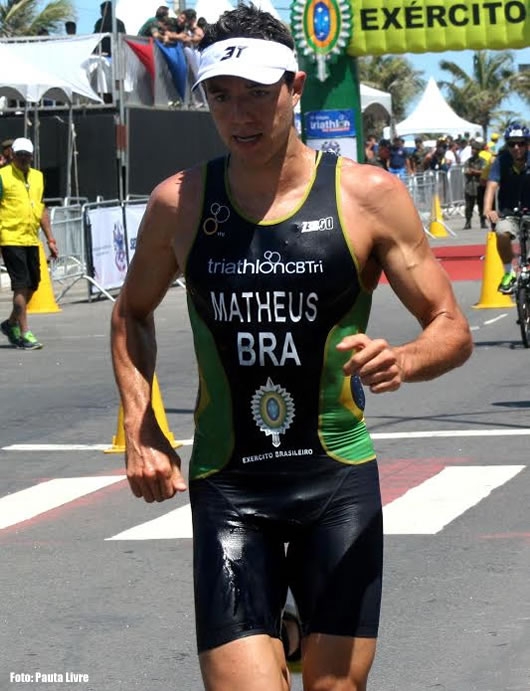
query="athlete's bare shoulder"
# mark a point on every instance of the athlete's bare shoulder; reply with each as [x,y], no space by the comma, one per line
[369,187]
[181,192]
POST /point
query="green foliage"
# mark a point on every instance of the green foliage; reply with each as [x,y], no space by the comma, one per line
[28,17]
[394,75]
[477,97]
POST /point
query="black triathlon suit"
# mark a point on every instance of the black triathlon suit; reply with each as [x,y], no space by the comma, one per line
[284,484]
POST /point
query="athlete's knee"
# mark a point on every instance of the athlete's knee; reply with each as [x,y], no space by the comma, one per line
[337,663]
[253,663]
[332,683]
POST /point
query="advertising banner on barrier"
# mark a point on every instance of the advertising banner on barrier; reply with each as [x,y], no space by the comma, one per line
[133,216]
[109,255]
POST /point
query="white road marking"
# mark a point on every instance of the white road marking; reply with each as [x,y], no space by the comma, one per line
[70,447]
[423,510]
[511,432]
[495,319]
[429,507]
[30,502]
[56,447]
[171,526]
[428,434]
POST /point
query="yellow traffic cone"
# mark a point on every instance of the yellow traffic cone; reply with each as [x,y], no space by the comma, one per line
[118,441]
[43,300]
[491,277]
[437,227]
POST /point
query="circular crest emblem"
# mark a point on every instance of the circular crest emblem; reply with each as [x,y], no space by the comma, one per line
[272,410]
[322,30]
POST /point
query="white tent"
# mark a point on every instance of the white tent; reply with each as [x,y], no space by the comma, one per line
[375,97]
[434,115]
[211,10]
[63,77]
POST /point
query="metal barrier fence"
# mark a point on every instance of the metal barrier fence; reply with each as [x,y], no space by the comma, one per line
[447,186]
[68,230]
[96,242]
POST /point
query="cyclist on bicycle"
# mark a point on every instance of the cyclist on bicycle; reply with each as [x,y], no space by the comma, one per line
[509,178]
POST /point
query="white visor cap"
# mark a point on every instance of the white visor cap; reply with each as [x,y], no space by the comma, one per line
[255,59]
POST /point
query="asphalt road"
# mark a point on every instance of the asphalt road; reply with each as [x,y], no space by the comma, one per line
[456,609]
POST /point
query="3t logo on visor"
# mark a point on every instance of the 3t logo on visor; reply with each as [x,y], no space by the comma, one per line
[233,52]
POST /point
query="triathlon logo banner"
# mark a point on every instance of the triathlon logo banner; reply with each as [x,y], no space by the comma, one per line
[423,26]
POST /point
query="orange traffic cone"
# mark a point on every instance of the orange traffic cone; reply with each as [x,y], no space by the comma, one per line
[437,227]
[491,277]
[43,300]
[118,441]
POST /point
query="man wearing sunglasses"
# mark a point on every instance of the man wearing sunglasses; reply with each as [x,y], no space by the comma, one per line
[509,180]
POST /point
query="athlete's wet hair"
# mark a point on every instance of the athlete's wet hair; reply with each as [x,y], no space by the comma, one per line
[247,21]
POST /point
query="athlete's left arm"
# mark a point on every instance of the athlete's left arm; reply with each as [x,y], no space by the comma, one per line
[397,241]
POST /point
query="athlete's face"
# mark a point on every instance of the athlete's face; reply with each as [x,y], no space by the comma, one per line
[254,120]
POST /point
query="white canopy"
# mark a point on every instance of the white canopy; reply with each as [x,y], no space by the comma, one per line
[371,97]
[434,115]
[211,10]
[64,76]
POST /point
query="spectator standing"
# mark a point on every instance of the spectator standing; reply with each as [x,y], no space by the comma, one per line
[153,27]
[417,158]
[104,25]
[70,28]
[473,169]
[382,156]
[6,156]
[370,149]
[436,159]
[493,143]
[452,155]
[195,33]
[399,163]
[22,213]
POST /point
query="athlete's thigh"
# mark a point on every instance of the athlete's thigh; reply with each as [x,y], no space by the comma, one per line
[239,569]
[335,566]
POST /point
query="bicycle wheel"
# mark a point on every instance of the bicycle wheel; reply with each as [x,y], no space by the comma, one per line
[523,310]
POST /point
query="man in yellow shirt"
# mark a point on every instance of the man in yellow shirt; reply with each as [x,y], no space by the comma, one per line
[22,213]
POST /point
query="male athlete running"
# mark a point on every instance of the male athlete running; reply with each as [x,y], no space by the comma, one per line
[281,248]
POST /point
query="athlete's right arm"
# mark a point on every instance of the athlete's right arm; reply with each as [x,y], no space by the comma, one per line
[164,238]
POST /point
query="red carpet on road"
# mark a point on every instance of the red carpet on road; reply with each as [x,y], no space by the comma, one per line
[461,262]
